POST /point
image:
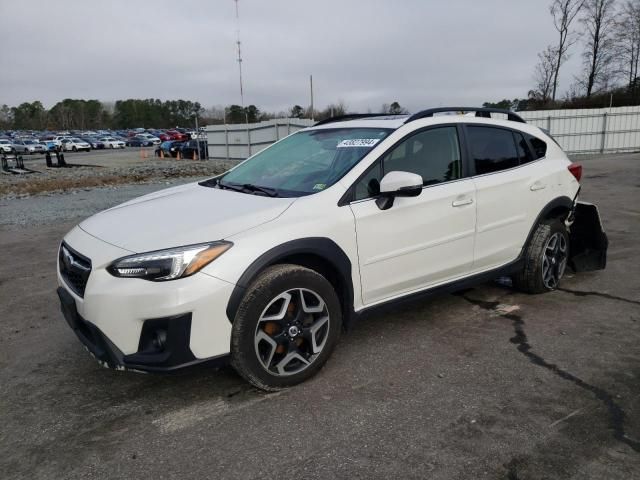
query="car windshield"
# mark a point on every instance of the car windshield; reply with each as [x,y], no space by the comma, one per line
[306,162]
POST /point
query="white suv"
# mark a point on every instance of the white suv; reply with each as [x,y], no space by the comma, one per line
[265,264]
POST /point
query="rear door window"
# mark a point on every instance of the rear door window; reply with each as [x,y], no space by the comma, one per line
[492,149]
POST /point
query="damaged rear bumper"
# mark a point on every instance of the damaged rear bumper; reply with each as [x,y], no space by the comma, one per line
[588,241]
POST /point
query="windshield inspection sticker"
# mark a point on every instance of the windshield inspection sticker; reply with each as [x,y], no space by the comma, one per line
[358,142]
[319,186]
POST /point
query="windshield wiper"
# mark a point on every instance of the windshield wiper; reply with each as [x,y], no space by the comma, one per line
[271,192]
[248,187]
[229,186]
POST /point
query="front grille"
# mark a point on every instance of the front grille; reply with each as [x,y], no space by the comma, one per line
[75,268]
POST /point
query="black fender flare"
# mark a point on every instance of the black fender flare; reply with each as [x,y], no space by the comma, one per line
[322,247]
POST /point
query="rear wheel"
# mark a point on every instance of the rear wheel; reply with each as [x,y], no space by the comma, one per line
[546,258]
[286,327]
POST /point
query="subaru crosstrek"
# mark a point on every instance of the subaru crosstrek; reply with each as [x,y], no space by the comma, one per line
[267,263]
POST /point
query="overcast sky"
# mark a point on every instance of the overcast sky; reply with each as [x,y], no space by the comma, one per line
[420,53]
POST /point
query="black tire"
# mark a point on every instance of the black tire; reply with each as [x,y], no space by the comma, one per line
[74,148]
[270,284]
[530,278]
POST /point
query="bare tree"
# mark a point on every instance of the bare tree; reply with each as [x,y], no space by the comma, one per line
[544,74]
[600,44]
[628,32]
[564,13]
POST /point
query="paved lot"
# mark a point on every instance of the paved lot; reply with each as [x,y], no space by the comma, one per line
[487,383]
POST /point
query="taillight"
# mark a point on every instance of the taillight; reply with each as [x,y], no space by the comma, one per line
[576,170]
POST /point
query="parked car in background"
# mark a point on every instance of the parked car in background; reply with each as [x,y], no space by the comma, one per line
[177,135]
[169,148]
[5,145]
[155,133]
[188,149]
[152,138]
[92,140]
[58,139]
[138,142]
[34,147]
[112,142]
[75,145]
[18,146]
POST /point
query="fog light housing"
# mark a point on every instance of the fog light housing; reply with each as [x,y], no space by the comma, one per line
[153,338]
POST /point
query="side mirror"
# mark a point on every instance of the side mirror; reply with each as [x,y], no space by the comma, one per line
[398,184]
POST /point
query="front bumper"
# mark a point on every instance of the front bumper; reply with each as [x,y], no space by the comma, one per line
[175,352]
[115,318]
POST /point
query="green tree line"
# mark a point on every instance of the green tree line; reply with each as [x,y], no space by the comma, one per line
[78,114]
[93,114]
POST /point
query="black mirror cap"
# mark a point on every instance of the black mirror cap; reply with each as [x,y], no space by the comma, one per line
[413,191]
[385,199]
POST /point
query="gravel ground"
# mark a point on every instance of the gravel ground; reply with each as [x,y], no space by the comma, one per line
[94,181]
[101,169]
[52,208]
[485,384]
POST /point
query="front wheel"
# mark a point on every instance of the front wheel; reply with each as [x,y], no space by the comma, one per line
[286,327]
[545,258]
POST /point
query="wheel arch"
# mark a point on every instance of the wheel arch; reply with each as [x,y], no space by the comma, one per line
[320,254]
[556,208]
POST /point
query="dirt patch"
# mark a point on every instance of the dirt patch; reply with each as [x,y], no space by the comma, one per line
[49,180]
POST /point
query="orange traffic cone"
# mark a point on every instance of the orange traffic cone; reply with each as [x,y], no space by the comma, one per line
[161,153]
[195,156]
[178,155]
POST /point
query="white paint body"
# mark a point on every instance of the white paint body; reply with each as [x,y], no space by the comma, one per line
[450,231]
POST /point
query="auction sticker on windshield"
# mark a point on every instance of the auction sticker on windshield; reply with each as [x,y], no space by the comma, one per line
[358,142]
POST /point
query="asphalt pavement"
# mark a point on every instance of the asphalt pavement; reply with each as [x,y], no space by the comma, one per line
[485,383]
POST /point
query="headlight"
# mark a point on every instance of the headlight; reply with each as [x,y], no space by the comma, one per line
[169,264]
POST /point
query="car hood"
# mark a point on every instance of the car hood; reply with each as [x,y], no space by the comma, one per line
[182,215]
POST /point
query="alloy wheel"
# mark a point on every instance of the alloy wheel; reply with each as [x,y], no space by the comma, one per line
[292,332]
[554,260]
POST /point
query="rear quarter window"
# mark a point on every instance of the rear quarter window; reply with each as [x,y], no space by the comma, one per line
[524,152]
[538,146]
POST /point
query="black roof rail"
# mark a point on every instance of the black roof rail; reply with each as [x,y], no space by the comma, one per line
[480,112]
[353,116]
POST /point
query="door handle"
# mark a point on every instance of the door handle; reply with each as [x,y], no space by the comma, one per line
[461,202]
[537,186]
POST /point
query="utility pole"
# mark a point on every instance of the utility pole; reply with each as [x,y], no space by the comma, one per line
[311,85]
[195,114]
[246,116]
